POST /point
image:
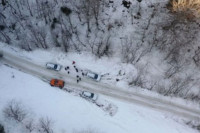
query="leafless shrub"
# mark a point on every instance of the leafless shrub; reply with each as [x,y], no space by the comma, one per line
[128,50]
[45,10]
[133,51]
[173,70]
[196,57]
[160,88]
[38,37]
[4,37]
[89,130]
[195,125]
[29,125]
[193,96]
[140,80]
[176,38]
[103,48]
[14,110]
[45,125]
[179,86]
[100,45]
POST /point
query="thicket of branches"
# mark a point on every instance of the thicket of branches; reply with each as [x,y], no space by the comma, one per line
[17,114]
[176,37]
[44,24]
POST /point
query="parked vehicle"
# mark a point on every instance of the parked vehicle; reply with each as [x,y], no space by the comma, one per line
[53,66]
[93,76]
[57,83]
[89,95]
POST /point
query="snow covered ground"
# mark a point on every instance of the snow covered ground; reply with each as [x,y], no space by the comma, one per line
[87,61]
[70,112]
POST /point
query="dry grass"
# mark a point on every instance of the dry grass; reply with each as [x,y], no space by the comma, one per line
[190,8]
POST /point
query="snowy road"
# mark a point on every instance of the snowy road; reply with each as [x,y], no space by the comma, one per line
[97,87]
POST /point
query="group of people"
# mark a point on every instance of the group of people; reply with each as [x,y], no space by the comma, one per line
[76,69]
[126,4]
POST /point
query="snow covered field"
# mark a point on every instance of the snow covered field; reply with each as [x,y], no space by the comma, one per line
[72,113]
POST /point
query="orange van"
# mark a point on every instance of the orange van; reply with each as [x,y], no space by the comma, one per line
[57,83]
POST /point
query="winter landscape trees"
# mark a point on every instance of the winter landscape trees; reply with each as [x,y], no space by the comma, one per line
[168,29]
[16,114]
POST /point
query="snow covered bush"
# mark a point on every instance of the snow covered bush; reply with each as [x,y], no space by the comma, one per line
[15,111]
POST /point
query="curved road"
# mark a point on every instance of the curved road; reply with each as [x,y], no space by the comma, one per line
[104,89]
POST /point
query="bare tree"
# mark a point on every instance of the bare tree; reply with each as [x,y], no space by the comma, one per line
[103,47]
[45,9]
[14,110]
[4,37]
[96,9]
[177,36]
[45,125]
[196,57]
[174,69]
[29,7]
[38,37]
[89,130]
[140,80]
[87,12]
[90,9]
[128,50]
[179,86]
[29,125]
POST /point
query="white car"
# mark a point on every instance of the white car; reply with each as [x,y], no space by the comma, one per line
[93,76]
[53,66]
[89,95]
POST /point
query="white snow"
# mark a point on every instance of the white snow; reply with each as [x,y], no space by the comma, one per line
[71,113]
[104,66]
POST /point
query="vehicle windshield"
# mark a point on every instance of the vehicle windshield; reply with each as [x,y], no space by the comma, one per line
[92,95]
[55,66]
[56,81]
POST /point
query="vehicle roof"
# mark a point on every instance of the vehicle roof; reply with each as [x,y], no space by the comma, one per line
[91,74]
[50,64]
[59,80]
[87,93]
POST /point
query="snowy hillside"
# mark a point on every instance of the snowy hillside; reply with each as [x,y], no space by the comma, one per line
[144,47]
